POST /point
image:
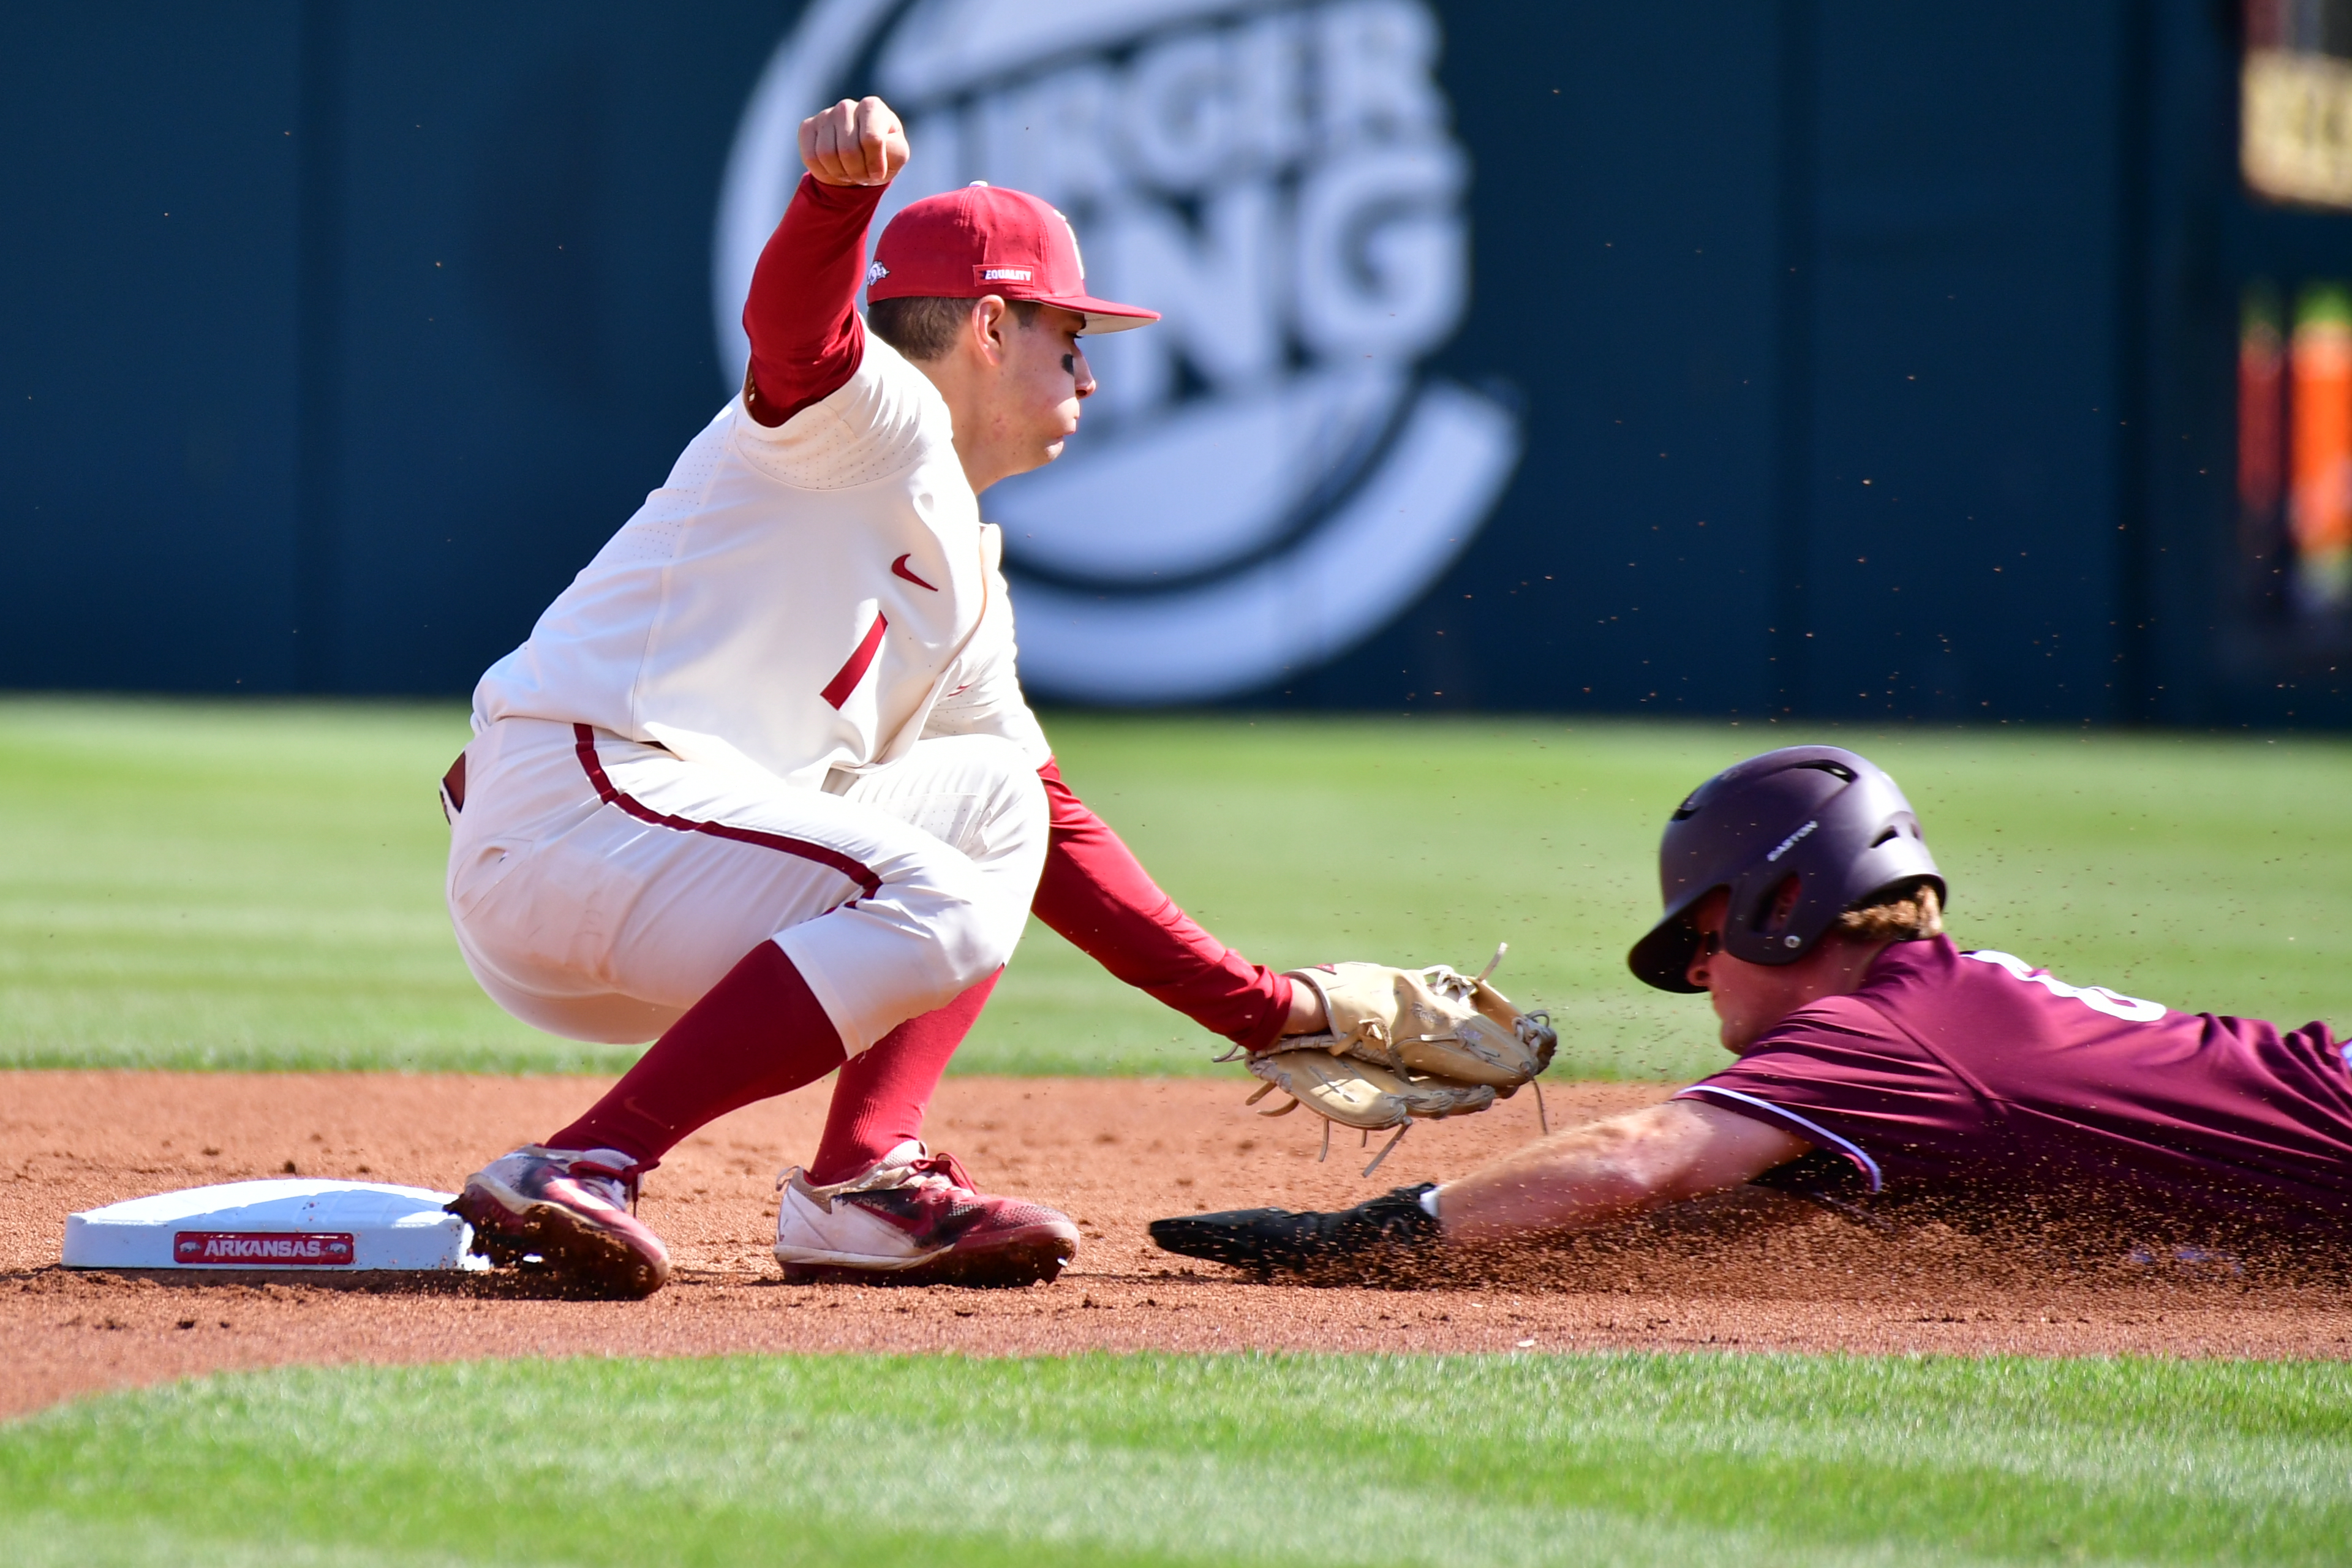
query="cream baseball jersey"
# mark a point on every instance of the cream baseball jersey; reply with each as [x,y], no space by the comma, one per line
[801,598]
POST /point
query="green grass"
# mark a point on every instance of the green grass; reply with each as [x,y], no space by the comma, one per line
[193,884]
[237,885]
[1668,1459]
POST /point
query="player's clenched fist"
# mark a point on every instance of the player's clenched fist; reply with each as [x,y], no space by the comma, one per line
[856,142]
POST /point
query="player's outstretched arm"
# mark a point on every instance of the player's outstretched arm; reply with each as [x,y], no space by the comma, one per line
[801,313]
[1587,1177]
[1607,1170]
[1097,896]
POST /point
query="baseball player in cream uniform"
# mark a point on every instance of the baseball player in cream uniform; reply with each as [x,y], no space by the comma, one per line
[761,786]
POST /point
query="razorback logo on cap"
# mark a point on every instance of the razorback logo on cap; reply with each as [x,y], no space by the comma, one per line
[263,1248]
[876,273]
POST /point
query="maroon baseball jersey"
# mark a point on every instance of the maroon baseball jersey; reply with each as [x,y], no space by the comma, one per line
[1975,1075]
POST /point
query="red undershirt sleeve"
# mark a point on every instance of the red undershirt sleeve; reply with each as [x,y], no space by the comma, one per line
[1096,894]
[801,313]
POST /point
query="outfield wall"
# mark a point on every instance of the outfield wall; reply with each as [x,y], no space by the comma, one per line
[1818,358]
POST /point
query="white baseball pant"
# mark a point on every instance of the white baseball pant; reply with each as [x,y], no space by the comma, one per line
[601,887]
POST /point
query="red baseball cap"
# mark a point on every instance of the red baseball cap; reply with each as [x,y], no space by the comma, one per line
[985,239]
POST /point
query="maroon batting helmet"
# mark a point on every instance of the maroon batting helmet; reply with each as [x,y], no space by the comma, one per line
[1831,820]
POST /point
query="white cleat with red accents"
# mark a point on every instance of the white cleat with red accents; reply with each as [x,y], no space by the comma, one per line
[915,1219]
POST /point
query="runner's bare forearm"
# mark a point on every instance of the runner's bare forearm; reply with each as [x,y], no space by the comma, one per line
[1608,1169]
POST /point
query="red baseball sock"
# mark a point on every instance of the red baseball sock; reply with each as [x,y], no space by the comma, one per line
[879,1099]
[760,1032]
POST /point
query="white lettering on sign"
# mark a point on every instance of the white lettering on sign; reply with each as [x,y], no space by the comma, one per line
[263,1248]
[1270,475]
[2098,998]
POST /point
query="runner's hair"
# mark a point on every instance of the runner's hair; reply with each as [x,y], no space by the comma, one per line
[1901,914]
[924,327]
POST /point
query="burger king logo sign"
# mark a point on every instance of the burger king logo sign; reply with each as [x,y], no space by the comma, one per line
[1268,476]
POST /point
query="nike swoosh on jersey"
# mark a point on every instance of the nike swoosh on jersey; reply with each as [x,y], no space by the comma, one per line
[898,569]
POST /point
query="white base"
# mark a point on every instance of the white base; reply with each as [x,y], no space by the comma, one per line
[294,1226]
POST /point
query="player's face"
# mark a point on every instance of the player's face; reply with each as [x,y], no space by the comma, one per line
[1749,998]
[1045,379]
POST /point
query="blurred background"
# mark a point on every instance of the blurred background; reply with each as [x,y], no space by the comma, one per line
[1555,405]
[1815,359]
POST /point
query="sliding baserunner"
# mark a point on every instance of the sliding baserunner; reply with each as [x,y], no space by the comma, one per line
[763,782]
[1879,1062]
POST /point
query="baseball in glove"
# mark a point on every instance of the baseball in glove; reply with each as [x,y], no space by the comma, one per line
[1404,1044]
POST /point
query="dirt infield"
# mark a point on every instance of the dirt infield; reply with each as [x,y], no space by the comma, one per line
[1114,1153]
